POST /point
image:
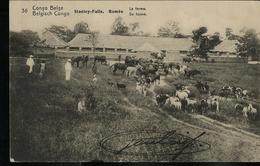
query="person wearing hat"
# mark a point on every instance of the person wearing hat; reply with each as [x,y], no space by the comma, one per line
[68,69]
[30,63]
[94,79]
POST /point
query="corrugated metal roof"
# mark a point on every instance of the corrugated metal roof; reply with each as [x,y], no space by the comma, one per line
[226,46]
[132,42]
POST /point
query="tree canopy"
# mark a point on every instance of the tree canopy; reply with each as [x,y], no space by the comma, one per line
[204,43]
[81,27]
[249,44]
[170,29]
[21,42]
[119,27]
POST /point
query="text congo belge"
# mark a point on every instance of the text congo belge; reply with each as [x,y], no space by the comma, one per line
[49,11]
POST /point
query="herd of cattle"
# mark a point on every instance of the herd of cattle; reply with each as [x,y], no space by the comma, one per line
[148,72]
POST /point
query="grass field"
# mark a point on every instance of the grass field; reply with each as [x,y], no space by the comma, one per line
[45,125]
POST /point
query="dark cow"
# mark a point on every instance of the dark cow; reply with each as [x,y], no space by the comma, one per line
[202,87]
[179,86]
[147,69]
[203,107]
[118,66]
[120,85]
[84,59]
[186,60]
[161,99]
[131,61]
[155,77]
[102,59]
[191,73]
[111,83]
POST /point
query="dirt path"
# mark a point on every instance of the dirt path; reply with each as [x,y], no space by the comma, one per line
[228,144]
[231,143]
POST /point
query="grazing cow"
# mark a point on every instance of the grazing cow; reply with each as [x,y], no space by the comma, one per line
[203,88]
[131,61]
[130,71]
[249,110]
[118,66]
[174,101]
[120,85]
[181,95]
[161,99]
[102,59]
[192,104]
[110,83]
[156,78]
[76,60]
[191,73]
[84,59]
[186,89]
[239,107]
[213,103]
[179,86]
[186,60]
[245,93]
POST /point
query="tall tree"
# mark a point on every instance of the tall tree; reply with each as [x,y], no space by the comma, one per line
[81,27]
[93,39]
[119,27]
[21,42]
[214,40]
[170,29]
[204,43]
[62,32]
[249,44]
[229,33]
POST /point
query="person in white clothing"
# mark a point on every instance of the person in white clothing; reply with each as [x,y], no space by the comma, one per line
[94,79]
[30,63]
[81,105]
[68,69]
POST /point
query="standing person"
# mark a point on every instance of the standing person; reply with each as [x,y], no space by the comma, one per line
[94,79]
[68,69]
[145,89]
[42,68]
[94,69]
[81,105]
[119,58]
[30,63]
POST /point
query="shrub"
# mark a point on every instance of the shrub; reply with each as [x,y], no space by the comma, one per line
[194,92]
[165,90]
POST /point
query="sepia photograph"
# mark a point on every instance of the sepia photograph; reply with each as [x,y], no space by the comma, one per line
[134,81]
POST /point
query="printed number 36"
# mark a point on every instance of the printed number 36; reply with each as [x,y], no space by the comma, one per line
[24,10]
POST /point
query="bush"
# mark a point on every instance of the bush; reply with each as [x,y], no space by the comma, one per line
[165,90]
[194,92]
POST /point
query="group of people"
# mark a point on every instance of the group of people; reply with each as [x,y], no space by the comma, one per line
[68,68]
[30,63]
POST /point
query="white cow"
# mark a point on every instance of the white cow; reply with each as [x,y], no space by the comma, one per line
[213,102]
[174,101]
[249,109]
[181,95]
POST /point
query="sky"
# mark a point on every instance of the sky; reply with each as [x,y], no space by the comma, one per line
[215,15]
